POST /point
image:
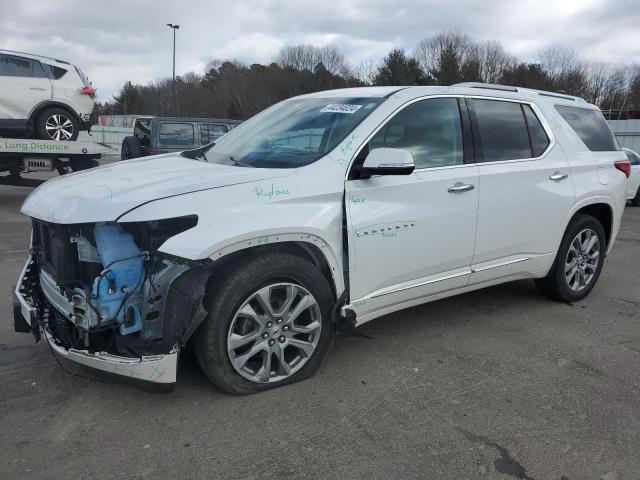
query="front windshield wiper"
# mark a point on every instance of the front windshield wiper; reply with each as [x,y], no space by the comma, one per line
[238,163]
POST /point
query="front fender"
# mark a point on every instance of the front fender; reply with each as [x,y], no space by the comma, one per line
[234,218]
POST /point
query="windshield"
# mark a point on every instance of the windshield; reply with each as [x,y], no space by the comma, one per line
[292,133]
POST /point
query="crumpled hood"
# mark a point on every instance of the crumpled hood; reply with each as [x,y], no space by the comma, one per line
[105,193]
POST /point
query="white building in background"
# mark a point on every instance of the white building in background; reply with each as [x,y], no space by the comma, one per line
[627,132]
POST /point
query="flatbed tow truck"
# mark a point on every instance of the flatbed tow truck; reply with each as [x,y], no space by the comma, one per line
[19,156]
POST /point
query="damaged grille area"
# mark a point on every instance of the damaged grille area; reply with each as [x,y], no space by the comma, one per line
[105,287]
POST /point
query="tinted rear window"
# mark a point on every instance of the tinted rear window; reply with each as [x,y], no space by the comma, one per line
[591,127]
[178,134]
[11,66]
[539,138]
[501,131]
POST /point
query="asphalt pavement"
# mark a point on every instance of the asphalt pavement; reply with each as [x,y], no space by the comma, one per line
[494,384]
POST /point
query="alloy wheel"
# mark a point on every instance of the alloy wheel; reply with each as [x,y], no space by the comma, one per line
[274,332]
[59,127]
[582,260]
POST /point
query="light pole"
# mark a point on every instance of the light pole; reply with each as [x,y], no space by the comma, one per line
[173,84]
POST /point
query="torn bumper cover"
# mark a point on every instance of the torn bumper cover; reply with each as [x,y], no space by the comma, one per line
[151,368]
[154,368]
[37,302]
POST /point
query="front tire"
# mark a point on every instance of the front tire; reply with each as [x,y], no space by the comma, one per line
[269,324]
[578,262]
[57,124]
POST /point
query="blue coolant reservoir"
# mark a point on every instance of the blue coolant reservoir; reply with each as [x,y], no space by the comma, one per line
[118,291]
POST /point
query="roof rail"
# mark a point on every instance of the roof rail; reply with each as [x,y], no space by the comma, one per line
[559,95]
[34,55]
[487,86]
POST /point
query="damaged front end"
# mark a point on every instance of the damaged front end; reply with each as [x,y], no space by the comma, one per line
[105,297]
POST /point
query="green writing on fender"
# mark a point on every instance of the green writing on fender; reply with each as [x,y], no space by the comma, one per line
[270,193]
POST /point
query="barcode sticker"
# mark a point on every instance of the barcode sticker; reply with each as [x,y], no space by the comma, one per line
[341,108]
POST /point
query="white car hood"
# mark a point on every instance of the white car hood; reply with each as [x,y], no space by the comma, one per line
[105,193]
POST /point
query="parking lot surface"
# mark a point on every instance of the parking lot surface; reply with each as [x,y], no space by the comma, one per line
[498,383]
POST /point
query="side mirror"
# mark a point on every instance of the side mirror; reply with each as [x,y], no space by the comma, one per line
[388,161]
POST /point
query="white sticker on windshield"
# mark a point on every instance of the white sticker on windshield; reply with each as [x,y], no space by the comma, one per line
[341,108]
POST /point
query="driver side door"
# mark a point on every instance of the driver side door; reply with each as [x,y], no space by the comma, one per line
[412,236]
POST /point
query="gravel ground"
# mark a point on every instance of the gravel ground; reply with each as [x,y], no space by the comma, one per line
[498,383]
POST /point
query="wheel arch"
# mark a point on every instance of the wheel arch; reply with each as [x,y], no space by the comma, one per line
[41,107]
[601,208]
[306,246]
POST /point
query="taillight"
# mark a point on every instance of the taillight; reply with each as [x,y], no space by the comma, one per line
[624,166]
[88,91]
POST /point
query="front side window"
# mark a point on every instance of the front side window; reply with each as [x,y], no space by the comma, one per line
[430,129]
[210,132]
[591,126]
[500,131]
[292,133]
[176,134]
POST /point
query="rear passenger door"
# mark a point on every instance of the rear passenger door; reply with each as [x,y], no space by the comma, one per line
[525,190]
[23,85]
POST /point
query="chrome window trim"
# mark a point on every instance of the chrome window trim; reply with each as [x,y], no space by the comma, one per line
[545,125]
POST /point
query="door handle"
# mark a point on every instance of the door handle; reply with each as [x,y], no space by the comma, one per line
[460,187]
[37,88]
[557,176]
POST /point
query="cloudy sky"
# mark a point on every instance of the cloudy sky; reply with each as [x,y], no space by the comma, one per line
[114,41]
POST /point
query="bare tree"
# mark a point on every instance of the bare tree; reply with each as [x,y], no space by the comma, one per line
[494,60]
[307,57]
[367,70]
[557,60]
[450,57]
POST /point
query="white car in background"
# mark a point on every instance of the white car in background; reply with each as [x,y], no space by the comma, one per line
[43,97]
[633,192]
[326,210]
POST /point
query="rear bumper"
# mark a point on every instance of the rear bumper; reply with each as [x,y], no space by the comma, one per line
[155,369]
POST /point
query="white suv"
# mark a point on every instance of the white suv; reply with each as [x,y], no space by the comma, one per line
[43,97]
[325,210]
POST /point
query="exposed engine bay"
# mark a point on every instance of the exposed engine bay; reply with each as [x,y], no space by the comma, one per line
[105,287]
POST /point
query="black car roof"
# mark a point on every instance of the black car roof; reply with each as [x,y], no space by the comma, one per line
[191,119]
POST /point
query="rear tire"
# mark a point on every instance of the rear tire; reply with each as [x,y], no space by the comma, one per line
[57,124]
[130,148]
[288,346]
[578,262]
[636,200]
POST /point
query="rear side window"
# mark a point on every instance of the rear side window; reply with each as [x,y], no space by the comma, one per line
[633,158]
[539,138]
[591,126]
[210,132]
[176,134]
[500,131]
[11,66]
